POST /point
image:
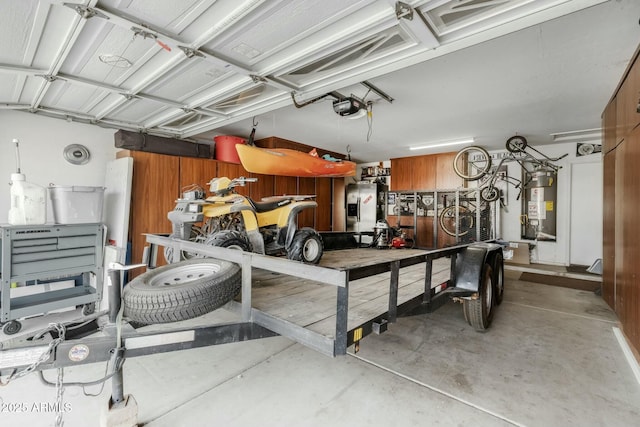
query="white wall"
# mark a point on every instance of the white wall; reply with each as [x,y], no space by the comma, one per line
[558,252]
[42,140]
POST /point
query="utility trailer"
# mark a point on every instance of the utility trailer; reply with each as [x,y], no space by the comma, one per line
[309,304]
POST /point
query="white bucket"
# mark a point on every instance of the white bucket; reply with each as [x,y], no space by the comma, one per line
[28,202]
[76,204]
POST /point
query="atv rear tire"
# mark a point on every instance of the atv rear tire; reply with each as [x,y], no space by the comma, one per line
[306,246]
[181,291]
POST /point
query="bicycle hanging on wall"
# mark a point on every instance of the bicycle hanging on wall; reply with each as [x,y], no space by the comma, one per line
[474,163]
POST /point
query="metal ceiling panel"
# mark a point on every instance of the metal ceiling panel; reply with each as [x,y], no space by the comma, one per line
[191,78]
[161,14]
[15,41]
[63,95]
[135,110]
[262,33]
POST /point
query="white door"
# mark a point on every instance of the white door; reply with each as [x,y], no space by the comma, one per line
[586,213]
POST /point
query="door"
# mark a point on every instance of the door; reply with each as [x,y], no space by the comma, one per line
[586,213]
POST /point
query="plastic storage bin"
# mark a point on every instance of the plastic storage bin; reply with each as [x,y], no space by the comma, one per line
[76,204]
[225,148]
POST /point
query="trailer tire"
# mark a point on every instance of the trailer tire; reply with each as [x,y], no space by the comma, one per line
[498,277]
[181,291]
[479,312]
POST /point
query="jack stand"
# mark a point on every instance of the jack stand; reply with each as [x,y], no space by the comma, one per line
[121,411]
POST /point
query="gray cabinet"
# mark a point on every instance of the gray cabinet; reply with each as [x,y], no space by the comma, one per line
[36,253]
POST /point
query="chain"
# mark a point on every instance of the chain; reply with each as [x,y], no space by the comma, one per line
[46,355]
[59,386]
[59,393]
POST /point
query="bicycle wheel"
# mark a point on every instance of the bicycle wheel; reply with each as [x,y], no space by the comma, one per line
[472,163]
[516,144]
[462,217]
[490,193]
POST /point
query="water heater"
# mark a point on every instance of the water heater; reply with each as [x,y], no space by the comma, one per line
[538,219]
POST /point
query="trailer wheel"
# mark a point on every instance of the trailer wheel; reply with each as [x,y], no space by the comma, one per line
[181,291]
[498,277]
[306,246]
[479,312]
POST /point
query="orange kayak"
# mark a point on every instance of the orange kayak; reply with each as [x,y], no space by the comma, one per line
[286,162]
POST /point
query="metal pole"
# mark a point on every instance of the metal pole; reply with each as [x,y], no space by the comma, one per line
[115,294]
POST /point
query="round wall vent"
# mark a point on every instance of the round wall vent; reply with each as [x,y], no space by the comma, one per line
[76,154]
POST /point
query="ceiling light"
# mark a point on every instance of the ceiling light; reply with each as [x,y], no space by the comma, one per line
[578,135]
[443,144]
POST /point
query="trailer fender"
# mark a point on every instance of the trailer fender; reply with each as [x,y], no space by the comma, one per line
[470,264]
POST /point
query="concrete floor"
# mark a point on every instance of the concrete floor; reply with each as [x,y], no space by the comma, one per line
[549,359]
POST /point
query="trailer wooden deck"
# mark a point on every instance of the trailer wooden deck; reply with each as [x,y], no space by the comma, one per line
[312,305]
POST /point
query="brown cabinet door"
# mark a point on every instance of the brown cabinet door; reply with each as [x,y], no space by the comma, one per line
[231,171]
[446,177]
[261,188]
[306,218]
[627,99]
[608,237]
[324,198]
[609,127]
[423,172]
[285,185]
[155,188]
[198,172]
[401,174]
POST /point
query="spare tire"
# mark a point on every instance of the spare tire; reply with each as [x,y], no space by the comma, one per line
[181,291]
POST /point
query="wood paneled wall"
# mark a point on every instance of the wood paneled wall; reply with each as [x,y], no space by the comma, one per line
[621,185]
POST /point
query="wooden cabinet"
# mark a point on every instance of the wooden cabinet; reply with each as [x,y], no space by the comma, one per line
[621,199]
[307,217]
[446,177]
[264,187]
[325,203]
[155,188]
[626,103]
[608,238]
[401,178]
[424,173]
[609,127]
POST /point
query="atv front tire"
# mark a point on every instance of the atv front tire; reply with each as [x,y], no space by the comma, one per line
[229,239]
[181,291]
[306,246]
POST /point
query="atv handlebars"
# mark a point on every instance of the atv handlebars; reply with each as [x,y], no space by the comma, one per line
[241,181]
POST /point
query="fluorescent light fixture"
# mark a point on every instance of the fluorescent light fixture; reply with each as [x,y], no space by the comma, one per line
[443,144]
[578,135]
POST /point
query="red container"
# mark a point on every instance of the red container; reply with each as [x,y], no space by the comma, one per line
[225,148]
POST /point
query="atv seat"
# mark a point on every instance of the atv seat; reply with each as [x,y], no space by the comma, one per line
[270,205]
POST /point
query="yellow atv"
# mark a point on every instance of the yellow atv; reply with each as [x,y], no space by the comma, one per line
[231,220]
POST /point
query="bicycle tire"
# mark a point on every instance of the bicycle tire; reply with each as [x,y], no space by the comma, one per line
[490,193]
[472,163]
[516,144]
[447,220]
